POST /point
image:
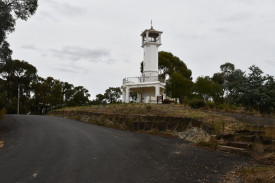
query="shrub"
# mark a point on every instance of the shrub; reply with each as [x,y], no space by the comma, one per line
[220,106]
[148,107]
[210,105]
[196,103]
[166,101]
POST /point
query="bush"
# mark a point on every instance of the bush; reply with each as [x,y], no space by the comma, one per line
[210,105]
[148,107]
[167,101]
[220,106]
[196,103]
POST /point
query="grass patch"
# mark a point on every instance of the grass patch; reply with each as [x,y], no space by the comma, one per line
[258,174]
[222,123]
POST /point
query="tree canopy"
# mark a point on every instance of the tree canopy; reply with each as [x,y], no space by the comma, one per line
[177,86]
[36,93]
[112,94]
[10,10]
[254,91]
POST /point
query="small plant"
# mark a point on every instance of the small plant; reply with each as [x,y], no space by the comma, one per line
[210,105]
[211,144]
[223,126]
[148,107]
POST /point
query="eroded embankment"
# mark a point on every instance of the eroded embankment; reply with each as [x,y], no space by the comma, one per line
[135,122]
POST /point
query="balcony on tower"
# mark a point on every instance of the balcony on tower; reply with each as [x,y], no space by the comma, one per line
[144,79]
[151,36]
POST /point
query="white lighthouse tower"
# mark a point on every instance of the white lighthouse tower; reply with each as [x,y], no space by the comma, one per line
[149,86]
[151,40]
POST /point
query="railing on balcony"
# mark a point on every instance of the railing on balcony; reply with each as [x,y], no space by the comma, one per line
[143,79]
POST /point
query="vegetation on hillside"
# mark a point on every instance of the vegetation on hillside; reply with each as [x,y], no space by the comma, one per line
[221,124]
[229,87]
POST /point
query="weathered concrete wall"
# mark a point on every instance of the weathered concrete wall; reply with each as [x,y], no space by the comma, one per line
[134,122]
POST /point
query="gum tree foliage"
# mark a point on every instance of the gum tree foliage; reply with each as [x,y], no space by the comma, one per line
[80,97]
[177,86]
[47,93]
[10,10]
[7,22]
[252,90]
[179,75]
[168,64]
[36,94]
[112,94]
[259,93]
[50,92]
[232,82]
[208,89]
[5,53]
[100,99]
[17,74]
[67,91]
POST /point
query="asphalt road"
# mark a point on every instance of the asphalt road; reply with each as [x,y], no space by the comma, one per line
[52,149]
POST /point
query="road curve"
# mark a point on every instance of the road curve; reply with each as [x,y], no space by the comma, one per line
[52,149]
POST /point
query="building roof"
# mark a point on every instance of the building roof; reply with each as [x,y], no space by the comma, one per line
[153,31]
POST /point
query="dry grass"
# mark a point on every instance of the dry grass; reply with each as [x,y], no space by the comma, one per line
[221,124]
[258,174]
[269,132]
[261,171]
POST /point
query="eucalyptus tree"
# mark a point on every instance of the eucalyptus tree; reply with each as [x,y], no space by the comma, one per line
[11,10]
[113,94]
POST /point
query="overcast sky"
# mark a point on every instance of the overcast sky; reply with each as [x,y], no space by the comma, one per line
[97,43]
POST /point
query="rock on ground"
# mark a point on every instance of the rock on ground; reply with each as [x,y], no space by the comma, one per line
[195,135]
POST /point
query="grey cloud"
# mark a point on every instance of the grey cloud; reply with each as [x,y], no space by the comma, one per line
[28,47]
[66,8]
[196,36]
[192,36]
[269,62]
[227,30]
[250,2]
[71,68]
[65,70]
[44,15]
[77,54]
[223,29]
[237,17]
